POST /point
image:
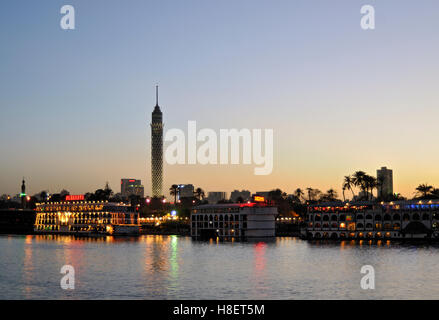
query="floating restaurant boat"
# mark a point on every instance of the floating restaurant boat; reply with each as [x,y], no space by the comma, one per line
[367,220]
[245,221]
[86,218]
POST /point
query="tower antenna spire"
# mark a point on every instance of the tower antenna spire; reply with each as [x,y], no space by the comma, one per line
[156,95]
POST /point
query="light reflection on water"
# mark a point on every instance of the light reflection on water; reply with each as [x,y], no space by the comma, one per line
[171,267]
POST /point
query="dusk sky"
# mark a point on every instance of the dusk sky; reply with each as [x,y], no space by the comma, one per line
[76,104]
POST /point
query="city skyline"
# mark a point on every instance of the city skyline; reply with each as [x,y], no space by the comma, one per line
[340,99]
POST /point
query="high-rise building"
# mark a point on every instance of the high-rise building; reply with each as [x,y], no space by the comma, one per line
[245,195]
[130,187]
[185,191]
[385,182]
[265,194]
[216,196]
[157,149]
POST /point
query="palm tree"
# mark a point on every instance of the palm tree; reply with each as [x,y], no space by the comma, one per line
[348,183]
[310,190]
[380,182]
[359,180]
[331,194]
[435,193]
[343,190]
[373,185]
[370,183]
[199,193]
[424,189]
[298,193]
[173,190]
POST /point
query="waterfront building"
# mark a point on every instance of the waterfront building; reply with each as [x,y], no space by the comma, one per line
[245,221]
[129,187]
[157,149]
[185,191]
[245,195]
[86,217]
[215,196]
[367,220]
[385,182]
[265,194]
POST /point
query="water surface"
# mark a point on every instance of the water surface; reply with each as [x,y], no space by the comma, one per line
[171,267]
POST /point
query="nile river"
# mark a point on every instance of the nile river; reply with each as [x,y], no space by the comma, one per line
[171,267]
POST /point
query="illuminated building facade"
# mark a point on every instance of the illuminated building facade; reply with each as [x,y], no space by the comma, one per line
[362,220]
[86,217]
[157,149]
[129,187]
[249,221]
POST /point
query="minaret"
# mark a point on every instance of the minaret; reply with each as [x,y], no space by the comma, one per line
[23,187]
[23,194]
[157,149]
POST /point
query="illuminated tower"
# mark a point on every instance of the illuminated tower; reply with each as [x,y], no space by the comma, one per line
[23,194]
[157,149]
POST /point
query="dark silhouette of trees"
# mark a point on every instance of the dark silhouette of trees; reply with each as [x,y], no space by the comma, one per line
[56,197]
[199,194]
[423,191]
[298,193]
[309,190]
[100,194]
[363,181]
[313,194]
[359,180]
[277,195]
[134,199]
[43,195]
[330,195]
[370,183]
[173,190]
[348,184]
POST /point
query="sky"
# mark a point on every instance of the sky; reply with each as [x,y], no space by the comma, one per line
[76,104]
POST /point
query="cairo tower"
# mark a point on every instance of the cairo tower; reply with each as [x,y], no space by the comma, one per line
[157,149]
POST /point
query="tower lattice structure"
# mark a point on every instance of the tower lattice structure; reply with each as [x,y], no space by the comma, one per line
[157,150]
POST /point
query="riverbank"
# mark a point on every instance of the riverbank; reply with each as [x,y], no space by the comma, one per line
[287,230]
[166,228]
[183,229]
